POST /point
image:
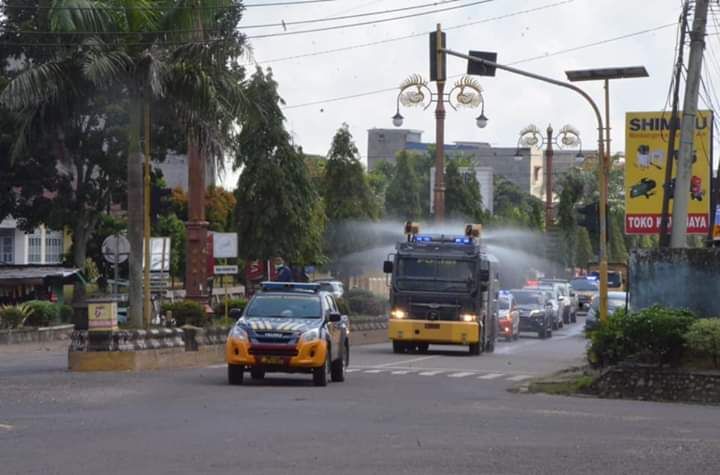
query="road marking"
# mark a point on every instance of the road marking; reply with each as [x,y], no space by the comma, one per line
[6,427]
[373,371]
[519,377]
[215,366]
[351,370]
[491,376]
[460,375]
[397,363]
[429,373]
[401,372]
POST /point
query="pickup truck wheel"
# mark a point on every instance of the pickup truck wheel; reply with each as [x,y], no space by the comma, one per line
[423,347]
[573,318]
[257,373]
[337,371]
[474,349]
[235,374]
[320,375]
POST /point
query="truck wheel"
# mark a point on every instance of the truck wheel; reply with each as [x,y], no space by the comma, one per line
[257,373]
[320,374]
[490,346]
[573,317]
[542,334]
[423,347]
[566,316]
[337,370]
[398,347]
[474,349]
[235,374]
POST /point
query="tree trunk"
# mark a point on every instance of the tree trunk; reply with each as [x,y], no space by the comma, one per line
[80,240]
[135,214]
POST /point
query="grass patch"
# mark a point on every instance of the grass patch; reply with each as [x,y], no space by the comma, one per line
[565,387]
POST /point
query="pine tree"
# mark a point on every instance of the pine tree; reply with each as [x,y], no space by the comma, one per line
[402,199]
[462,194]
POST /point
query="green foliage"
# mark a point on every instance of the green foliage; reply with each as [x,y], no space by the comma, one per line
[171,226]
[462,195]
[617,251]
[703,339]
[186,312]
[277,211]
[233,304]
[43,313]
[512,206]
[583,248]
[12,317]
[91,271]
[364,302]
[219,208]
[654,335]
[402,199]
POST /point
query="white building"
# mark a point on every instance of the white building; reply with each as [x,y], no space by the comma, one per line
[41,247]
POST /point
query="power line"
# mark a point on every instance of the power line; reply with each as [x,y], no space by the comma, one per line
[348,17]
[17,6]
[372,22]
[526,60]
[414,35]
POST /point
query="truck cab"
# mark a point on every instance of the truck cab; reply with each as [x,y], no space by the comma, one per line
[442,291]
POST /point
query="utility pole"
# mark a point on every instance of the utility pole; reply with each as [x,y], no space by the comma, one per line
[439,74]
[681,198]
[670,160]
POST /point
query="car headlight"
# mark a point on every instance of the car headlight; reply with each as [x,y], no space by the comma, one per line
[397,313]
[238,333]
[310,335]
[468,317]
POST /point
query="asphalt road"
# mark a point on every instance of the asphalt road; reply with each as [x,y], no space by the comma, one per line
[440,413]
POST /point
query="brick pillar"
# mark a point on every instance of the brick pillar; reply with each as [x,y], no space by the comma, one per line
[197,228]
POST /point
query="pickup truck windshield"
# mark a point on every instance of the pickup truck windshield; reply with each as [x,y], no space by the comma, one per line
[284,306]
[434,274]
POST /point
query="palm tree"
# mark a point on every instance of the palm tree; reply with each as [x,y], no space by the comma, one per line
[183,52]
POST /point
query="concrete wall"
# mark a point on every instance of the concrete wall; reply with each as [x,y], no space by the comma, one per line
[384,144]
[678,278]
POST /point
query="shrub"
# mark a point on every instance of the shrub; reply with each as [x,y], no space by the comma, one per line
[42,313]
[703,339]
[14,316]
[364,302]
[238,304]
[653,335]
[66,313]
[186,312]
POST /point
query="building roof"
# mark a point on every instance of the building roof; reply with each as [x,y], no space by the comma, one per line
[14,275]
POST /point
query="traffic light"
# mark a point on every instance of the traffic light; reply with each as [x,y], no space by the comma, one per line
[438,62]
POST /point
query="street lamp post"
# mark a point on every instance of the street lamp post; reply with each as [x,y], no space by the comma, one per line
[568,136]
[605,74]
[415,92]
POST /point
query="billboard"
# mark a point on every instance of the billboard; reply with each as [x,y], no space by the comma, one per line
[646,136]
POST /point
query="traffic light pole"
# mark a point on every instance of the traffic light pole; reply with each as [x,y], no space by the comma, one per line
[604,159]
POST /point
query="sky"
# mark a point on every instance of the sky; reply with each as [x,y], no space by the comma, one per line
[534,40]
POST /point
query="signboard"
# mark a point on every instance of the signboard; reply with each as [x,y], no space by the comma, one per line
[159,254]
[645,160]
[225,245]
[116,248]
[226,270]
[102,315]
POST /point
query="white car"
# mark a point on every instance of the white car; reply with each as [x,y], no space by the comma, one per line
[335,287]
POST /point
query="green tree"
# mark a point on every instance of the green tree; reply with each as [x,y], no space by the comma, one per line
[278,213]
[583,248]
[171,226]
[512,206]
[462,195]
[185,56]
[402,199]
[219,208]
[616,241]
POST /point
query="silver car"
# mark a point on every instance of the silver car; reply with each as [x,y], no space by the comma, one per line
[616,300]
[335,287]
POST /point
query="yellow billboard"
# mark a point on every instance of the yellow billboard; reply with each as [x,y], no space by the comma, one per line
[646,148]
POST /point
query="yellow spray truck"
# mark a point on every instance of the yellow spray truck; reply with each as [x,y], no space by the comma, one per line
[442,291]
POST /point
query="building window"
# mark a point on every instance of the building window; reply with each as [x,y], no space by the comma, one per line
[536,173]
[7,246]
[35,247]
[54,246]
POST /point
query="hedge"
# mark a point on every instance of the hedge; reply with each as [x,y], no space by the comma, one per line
[703,339]
[233,304]
[364,302]
[186,312]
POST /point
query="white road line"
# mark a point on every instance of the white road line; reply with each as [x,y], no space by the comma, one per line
[373,371]
[351,370]
[400,372]
[401,362]
[460,375]
[429,373]
[6,427]
[215,366]
[491,376]
[519,377]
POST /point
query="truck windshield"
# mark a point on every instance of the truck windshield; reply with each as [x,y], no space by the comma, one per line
[434,274]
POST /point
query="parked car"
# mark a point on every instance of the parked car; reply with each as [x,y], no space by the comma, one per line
[508,316]
[535,312]
[335,287]
[585,289]
[567,298]
[616,300]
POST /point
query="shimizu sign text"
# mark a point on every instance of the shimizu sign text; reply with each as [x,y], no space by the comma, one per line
[645,159]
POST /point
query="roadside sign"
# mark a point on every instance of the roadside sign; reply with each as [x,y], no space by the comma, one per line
[159,254]
[225,245]
[645,160]
[226,270]
[716,227]
[116,249]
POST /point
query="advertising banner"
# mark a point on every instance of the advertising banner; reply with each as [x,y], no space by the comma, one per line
[646,143]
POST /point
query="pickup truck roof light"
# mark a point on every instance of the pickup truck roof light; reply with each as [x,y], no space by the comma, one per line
[290,287]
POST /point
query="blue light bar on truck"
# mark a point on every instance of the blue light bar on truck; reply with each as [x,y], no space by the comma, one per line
[463,240]
[289,287]
[423,238]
